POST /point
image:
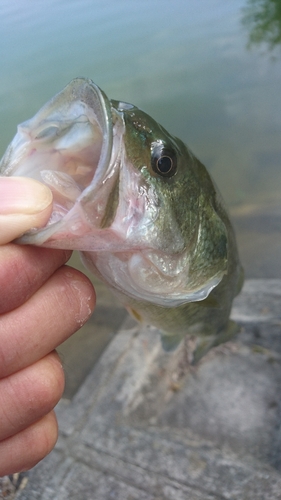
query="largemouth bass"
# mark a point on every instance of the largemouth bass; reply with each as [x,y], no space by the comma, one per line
[139,206]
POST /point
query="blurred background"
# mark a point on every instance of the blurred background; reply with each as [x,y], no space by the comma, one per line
[209,74]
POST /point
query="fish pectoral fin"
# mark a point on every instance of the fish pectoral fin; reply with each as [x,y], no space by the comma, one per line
[204,344]
[170,342]
[227,333]
[135,314]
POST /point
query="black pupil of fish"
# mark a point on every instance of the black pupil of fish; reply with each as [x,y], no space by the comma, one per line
[164,165]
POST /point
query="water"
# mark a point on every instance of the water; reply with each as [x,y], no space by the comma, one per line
[187,64]
[188,67]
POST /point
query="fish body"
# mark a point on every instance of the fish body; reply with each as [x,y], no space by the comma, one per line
[139,206]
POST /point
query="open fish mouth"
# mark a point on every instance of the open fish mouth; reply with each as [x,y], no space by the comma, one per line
[69,146]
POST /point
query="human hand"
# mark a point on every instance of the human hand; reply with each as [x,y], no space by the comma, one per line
[42,303]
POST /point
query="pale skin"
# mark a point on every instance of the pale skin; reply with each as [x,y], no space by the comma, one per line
[42,303]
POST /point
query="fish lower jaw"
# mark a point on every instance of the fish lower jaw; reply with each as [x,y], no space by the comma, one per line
[131,275]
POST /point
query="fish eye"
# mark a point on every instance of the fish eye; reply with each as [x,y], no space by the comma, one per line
[164,161]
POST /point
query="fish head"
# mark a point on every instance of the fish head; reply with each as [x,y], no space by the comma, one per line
[127,194]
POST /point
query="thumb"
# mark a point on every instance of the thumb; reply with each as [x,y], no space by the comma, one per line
[24,204]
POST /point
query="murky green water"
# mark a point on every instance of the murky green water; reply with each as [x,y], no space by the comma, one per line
[185,63]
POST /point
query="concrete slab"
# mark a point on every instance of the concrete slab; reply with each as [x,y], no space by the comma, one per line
[147,425]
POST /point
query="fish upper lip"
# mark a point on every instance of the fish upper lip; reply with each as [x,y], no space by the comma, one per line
[103,112]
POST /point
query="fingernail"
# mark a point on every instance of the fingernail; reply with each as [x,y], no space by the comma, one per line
[22,195]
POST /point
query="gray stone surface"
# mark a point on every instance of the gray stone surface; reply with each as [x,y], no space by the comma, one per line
[147,425]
